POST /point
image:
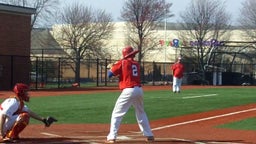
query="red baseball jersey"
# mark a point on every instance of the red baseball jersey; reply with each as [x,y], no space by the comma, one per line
[178,70]
[128,71]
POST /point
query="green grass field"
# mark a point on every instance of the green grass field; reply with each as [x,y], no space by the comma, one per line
[247,124]
[97,108]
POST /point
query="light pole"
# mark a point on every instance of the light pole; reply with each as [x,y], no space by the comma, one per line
[165,45]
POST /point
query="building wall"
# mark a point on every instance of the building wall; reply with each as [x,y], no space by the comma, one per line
[161,53]
[15,34]
[14,49]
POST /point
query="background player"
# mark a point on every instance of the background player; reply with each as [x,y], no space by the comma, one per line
[178,70]
[15,115]
[128,71]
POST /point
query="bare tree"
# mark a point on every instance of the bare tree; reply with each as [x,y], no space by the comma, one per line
[204,22]
[82,33]
[142,17]
[247,18]
[247,21]
[45,9]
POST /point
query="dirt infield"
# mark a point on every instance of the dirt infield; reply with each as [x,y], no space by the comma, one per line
[195,128]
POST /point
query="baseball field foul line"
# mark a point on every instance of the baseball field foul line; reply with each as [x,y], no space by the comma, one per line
[204,119]
[190,97]
[49,134]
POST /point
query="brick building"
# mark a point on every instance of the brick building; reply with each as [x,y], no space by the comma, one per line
[15,37]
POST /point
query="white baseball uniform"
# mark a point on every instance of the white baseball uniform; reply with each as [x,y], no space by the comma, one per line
[131,95]
[8,107]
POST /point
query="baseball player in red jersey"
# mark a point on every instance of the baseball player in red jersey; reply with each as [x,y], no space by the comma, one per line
[15,115]
[128,71]
[178,70]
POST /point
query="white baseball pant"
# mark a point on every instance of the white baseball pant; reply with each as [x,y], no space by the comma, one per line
[176,86]
[129,97]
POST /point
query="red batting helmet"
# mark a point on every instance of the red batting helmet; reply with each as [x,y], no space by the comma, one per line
[129,52]
[20,90]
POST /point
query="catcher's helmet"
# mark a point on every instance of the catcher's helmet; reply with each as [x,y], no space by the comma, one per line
[20,90]
[129,52]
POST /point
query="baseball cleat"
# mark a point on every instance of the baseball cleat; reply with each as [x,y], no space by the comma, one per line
[10,140]
[111,141]
[150,139]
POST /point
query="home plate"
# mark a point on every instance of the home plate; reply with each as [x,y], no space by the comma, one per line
[123,138]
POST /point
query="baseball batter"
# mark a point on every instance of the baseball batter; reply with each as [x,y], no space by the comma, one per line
[128,71]
[15,115]
[178,70]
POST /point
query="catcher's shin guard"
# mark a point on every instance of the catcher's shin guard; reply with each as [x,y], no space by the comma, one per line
[18,126]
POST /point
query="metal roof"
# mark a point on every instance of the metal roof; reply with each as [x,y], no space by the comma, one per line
[43,42]
[16,9]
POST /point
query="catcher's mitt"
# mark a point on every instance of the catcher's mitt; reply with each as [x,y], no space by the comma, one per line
[49,120]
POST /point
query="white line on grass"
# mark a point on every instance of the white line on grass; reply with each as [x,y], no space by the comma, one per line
[204,119]
[190,97]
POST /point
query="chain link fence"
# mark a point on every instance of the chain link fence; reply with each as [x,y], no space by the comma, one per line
[52,72]
[58,73]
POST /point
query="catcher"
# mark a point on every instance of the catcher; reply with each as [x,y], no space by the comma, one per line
[15,115]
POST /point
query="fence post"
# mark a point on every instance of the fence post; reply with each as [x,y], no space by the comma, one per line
[143,72]
[12,63]
[106,62]
[37,62]
[42,70]
[59,69]
[97,75]
[153,75]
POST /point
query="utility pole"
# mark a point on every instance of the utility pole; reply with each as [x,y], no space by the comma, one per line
[165,46]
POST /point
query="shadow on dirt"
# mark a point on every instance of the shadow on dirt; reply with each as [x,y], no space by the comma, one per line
[49,141]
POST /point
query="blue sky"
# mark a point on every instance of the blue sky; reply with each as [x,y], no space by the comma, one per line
[114,6]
